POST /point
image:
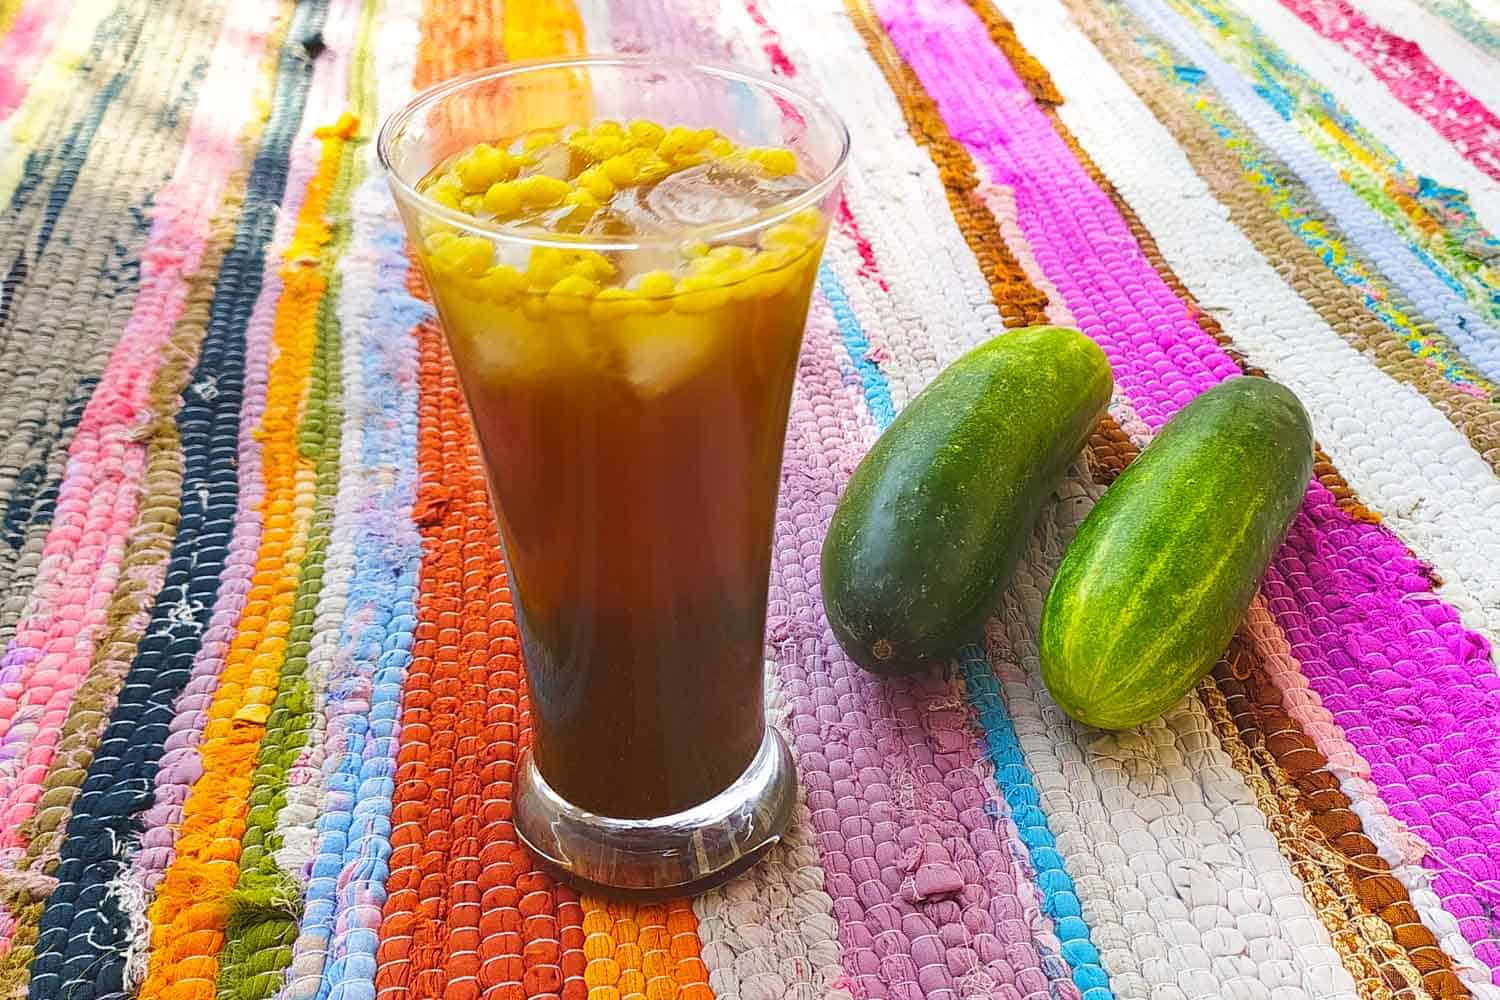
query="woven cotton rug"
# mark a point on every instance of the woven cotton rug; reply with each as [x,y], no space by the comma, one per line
[261,695]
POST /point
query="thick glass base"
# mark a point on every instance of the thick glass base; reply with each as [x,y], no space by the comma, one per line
[686,852]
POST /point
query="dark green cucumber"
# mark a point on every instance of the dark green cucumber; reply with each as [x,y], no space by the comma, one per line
[939,512]
[1163,569]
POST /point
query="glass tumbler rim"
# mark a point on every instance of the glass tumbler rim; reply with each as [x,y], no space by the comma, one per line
[828,180]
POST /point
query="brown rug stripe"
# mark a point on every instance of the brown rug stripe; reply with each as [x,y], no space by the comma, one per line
[1020,302]
[1346,862]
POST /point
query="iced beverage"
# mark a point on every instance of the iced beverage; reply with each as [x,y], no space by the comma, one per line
[624,298]
[631,409]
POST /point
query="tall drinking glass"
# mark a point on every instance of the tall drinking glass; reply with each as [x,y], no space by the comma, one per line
[626,330]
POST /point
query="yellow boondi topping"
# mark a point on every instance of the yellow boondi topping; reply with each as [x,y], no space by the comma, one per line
[597,182]
[700,293]
[540,191]
[572,293]
[502,283]
[776,162]
[680,140]
[562,181]
[783,236]
[595,264]
[583,202]
[447,191]
[656,284]
[616,303]
[645,133]
[503,200]
[605,146]
[483,166]
[469,255]
[538,140]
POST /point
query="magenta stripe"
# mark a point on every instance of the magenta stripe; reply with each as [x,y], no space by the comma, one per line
[1412,689]
[1415,692]
[1160,356]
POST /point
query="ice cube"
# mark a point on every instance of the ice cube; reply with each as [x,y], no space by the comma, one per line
[657,354]
[611,220]
[630,214]
[555,160]
[561,219]
[500,355]
[647,259]
[715,193]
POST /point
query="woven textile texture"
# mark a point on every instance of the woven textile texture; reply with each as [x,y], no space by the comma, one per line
[262,694]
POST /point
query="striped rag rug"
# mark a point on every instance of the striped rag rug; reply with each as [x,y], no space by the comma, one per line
[246,751]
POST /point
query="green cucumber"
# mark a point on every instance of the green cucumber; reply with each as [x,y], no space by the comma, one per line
[937,515]
[1163,569]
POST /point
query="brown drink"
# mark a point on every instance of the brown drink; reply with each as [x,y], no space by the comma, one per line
[624,303]
[636,498]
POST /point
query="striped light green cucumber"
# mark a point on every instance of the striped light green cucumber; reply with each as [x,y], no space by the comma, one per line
[939,512]
[1163,569]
